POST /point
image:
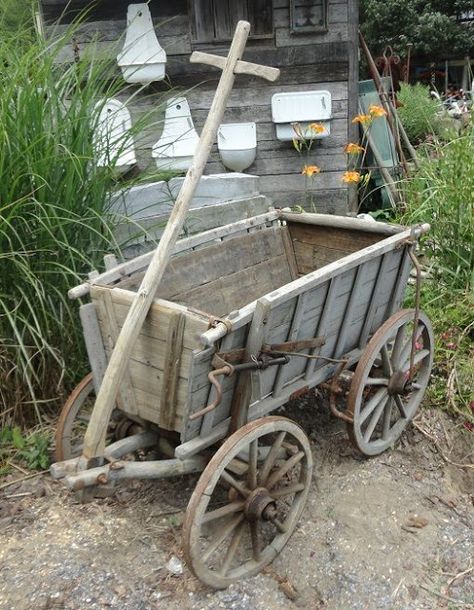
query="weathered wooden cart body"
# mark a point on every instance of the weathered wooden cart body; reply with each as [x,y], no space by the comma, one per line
[250,315]
[272,279]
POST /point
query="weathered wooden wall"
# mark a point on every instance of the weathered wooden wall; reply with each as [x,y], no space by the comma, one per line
[323,60]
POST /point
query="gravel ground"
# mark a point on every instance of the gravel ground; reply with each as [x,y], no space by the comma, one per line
[393,532]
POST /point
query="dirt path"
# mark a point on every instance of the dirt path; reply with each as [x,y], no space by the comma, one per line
[394,532]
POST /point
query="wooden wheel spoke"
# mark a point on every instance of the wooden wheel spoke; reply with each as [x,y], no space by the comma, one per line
[419,357]
[287,491]
[279,525]
[372,404]
[386,362]
[223,511]
[270,459]
[255,536]
[405,352]
[252,471]
[373,422]
[237,485]
[286,467]
[400,406]
[232,549]
[387,417]
[371,381]
[397,346]
[223,533]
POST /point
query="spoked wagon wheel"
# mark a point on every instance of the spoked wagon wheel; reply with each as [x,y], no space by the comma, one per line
[383,398]
[75,416]
[247,501]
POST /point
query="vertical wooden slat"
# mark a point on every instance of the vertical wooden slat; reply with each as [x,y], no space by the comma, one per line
[93,341]
[298,316]
[321,325]
[400,283]
[208,419]
[126,395]
[202,26]
[171,367]
[347,319]
[260,15]
[378,292]
[290,252]
[247,382]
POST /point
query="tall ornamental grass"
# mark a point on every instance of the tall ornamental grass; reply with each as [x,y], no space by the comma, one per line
[442,193]
[54,225]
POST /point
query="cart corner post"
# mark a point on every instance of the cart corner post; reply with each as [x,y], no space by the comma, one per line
[94,440]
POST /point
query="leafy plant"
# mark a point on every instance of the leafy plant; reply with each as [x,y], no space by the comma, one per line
[441,193]
[55,223]
[32,450]
[418,111]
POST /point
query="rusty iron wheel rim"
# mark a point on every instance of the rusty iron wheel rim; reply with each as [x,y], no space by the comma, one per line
[258,512]
[382,400]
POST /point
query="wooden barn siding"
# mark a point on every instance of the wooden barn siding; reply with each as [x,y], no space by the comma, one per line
[307,61]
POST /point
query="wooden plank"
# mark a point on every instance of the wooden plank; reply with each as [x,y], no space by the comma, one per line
[320,330]
[247,387]
[343,222]
[141,262]
[400,284]
[292,335]
[377,294]
[168,399]
[290,253]
[93,341]
[347,320]
[125,395]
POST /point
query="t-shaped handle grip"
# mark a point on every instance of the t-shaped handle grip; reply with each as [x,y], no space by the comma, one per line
[241,67]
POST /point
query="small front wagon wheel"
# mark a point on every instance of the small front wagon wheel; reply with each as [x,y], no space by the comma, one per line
[247,501]
[383,398]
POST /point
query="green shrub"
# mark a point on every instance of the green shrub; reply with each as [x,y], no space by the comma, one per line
[442,194]
[418,112]
[54,222]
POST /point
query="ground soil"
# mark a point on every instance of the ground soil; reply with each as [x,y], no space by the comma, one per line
[391,532]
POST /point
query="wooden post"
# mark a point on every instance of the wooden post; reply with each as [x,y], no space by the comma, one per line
[94,440]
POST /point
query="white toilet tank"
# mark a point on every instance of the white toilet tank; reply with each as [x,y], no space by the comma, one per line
[237,144]
[142,60]
[303,108]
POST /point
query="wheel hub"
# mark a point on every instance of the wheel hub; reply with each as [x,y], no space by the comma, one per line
[259,505]
[398,383]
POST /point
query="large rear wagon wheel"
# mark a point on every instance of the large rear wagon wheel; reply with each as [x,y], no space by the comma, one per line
[247,501]
[382,398]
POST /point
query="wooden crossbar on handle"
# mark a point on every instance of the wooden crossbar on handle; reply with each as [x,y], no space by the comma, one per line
[94,440]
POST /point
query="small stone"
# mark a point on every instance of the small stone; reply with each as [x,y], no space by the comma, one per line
[175,566]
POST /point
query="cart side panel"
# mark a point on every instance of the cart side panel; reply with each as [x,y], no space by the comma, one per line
[155,385]
[340,310]
[317,246]
[201,391]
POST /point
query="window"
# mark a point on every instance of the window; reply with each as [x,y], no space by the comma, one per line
[308,16]
[215,20]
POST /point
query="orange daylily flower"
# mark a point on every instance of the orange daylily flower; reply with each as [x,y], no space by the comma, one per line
[351,177]
[317,128]
[377,111]
[309,170]
[364,119]
[353,149]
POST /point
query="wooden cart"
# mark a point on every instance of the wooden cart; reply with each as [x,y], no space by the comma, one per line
[251,315]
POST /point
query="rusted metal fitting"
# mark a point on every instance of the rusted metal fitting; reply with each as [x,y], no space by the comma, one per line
[102,479]
[334,390]
[212,376]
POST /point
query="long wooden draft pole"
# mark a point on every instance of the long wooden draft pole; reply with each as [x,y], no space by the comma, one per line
[94,440]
